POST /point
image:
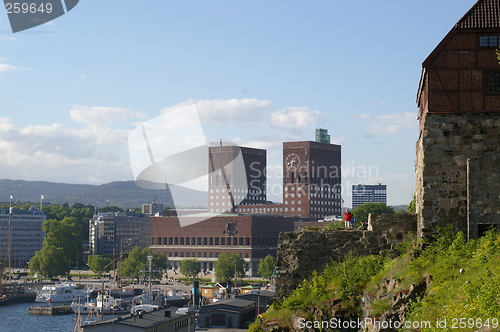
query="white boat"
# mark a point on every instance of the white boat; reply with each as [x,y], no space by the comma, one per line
[60,293]
[107,304]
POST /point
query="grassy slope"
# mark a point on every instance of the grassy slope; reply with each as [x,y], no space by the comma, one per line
[473,294]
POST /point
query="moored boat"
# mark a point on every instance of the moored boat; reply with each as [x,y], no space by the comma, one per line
[106,304]
[5,299]
[61,293]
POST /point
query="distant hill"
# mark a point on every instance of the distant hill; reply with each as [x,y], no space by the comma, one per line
[30,191]
[124,194]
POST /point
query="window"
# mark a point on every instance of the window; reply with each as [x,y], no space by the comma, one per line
[493,81]
[487,41]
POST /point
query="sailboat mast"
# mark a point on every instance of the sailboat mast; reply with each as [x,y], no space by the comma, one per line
[1,277]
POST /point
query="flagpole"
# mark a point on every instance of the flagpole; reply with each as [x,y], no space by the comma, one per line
[9,244]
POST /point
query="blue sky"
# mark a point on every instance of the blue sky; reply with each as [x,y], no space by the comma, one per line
[262,72]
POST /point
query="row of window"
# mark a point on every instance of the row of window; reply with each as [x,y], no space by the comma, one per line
[212,254]
[236,190]
[41,218]
[313,190]
[260,210]
[211,241]
[243,203]
[489,41]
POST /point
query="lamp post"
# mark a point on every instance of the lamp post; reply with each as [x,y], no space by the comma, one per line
[258,302]
[150,259]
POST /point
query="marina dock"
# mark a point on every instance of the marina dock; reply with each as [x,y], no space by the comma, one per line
[52,310]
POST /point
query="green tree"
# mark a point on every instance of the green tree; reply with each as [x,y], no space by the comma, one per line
[229,266]
[135,262]
[78,206]
[266,267]
[65,234]
[159,264]
[50,262]
[111,208]
[412,208]
[98,264]
[362,211]
[135,265]
[190,267]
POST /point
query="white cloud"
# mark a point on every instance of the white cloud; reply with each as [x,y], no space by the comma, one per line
[234,112]
[98,118]
[4,68]
[388,124]
[228,112]
[98,115]
[295,117]
[56,153]
[11,39]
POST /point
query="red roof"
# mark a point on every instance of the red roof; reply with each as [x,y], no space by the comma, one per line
[484,14]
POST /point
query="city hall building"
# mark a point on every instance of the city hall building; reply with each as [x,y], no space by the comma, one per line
[240,219]
[253,237]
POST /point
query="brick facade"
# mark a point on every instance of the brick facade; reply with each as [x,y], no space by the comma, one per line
[311,179]
[459,113]
[252,237]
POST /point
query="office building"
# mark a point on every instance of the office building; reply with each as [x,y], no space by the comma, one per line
[362,193]
[322,136]
[26,235]
[113,233]
[153,209]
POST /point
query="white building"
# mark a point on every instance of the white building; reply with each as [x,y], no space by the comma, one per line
[26,235]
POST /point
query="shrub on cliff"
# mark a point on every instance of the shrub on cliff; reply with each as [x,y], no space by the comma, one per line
[340,282]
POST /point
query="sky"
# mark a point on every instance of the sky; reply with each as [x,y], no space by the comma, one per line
[260,73]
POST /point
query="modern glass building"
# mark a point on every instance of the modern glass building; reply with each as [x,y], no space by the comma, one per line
[362,193]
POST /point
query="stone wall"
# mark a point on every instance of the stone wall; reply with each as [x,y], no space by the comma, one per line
[484,193]
[301,253]
[445,144]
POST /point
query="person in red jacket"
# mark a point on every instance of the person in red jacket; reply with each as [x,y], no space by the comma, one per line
[347,218]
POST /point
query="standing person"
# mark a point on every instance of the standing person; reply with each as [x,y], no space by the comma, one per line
[347,218]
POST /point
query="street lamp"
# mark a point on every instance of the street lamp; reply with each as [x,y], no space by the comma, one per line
[150,259]
[258,302]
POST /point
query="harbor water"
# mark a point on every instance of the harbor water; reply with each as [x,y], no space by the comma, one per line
[15,317]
